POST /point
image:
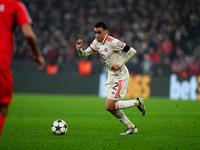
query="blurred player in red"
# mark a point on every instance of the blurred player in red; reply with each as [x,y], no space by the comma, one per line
[13,13]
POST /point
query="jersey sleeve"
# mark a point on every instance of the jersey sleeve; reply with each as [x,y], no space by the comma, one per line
[93,45]
[118,45]
[22,15]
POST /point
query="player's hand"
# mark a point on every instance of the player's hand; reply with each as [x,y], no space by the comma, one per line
[40,61]
[115,67]
[79,43]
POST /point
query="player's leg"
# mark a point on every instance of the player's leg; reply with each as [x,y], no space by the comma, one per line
[130,103]
[112,97]
[3,113]
[126,104]
[119,114]
[123,84]
[6,88]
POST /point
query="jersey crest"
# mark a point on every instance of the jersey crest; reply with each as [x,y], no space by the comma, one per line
[105,49]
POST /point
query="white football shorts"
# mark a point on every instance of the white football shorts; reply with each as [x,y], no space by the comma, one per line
[116,88]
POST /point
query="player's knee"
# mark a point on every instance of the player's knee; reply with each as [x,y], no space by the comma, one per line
[4,110]
[109,107]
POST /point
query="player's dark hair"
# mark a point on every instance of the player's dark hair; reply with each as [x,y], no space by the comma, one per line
[101,25]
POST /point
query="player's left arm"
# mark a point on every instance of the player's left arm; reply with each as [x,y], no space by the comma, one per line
[120,46]
[130,52]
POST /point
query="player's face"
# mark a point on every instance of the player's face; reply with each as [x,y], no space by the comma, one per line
[100,34]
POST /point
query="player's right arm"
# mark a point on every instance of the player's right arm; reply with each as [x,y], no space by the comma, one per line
[83,53]
[32,42]
[24,21]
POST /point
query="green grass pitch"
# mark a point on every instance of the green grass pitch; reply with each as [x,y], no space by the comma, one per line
[168,125]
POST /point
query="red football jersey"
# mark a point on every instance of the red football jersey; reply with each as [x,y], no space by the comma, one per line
[13,13]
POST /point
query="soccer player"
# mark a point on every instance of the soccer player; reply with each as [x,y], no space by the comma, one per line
[12,14]
[110,50]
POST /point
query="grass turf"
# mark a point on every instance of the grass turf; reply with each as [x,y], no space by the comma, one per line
[167,124]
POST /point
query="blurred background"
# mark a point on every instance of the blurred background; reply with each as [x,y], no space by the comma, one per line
[166,35]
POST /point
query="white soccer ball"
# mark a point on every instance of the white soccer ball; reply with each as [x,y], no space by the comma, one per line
[59,127]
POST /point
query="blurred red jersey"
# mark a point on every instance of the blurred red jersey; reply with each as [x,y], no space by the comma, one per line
[13,13]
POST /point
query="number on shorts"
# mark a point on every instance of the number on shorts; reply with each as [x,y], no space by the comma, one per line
[115,85]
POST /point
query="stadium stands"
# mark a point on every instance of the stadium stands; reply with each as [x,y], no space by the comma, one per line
[165,33]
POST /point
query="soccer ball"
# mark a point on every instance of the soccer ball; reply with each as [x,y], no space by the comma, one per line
[59,127]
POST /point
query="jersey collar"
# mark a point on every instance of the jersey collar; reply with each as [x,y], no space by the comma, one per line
[103,42]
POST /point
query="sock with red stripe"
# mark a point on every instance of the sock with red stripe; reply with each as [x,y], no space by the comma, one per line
[126,104]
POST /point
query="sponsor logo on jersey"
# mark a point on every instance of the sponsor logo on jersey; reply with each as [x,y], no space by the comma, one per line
[105,49]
